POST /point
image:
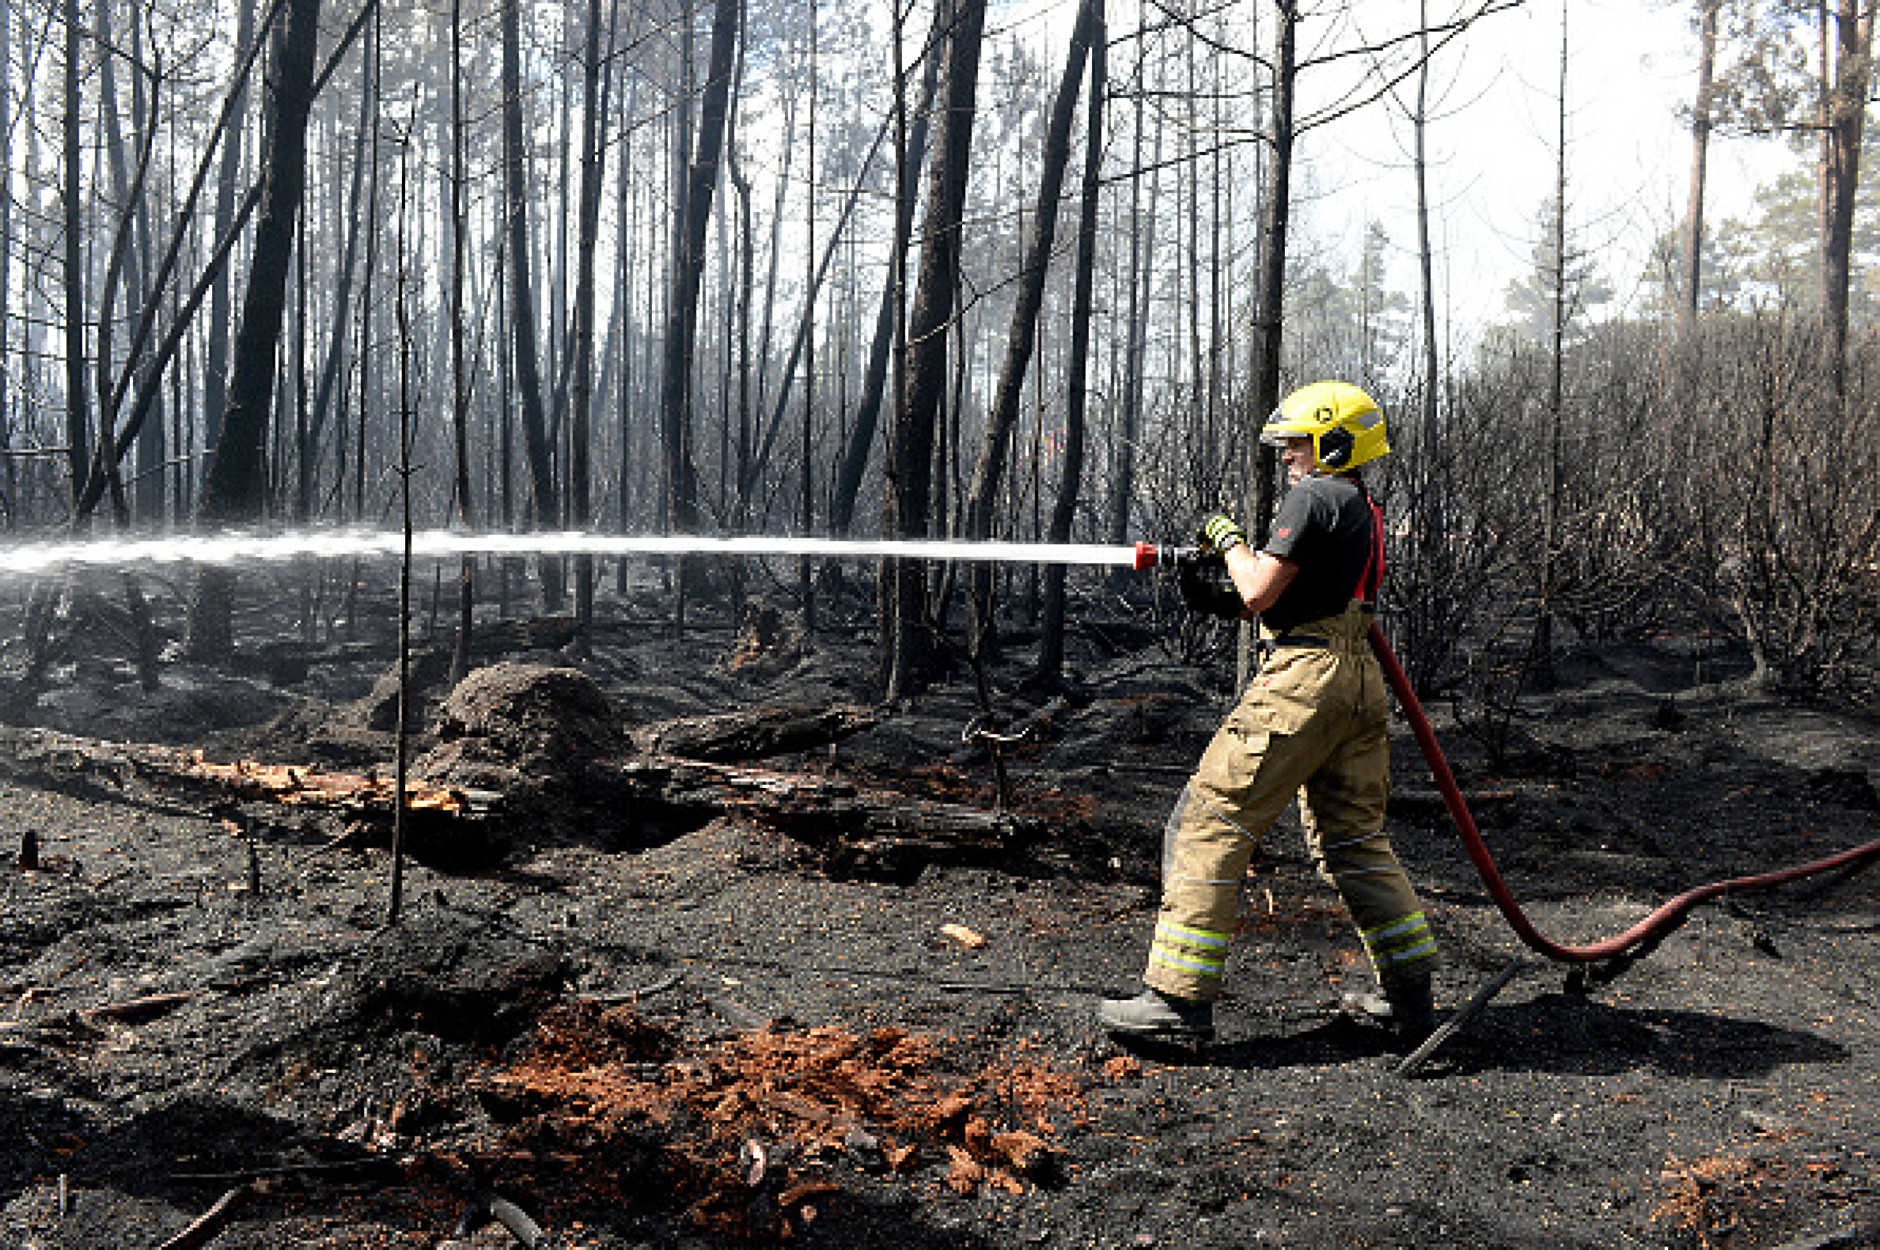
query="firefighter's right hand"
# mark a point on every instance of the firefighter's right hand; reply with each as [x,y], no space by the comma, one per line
[1222,533]
[1203,590]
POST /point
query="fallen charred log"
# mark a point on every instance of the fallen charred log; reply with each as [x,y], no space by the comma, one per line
[753,733]
[854,829]
[450,822]
[45,755]
[868,831]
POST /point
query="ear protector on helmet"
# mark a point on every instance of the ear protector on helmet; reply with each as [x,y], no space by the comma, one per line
[1335,448]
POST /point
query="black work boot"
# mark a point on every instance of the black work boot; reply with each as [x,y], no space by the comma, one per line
[1406,1008]
[1155,1014]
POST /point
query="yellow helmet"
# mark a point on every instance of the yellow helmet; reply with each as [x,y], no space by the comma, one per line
[1345,425]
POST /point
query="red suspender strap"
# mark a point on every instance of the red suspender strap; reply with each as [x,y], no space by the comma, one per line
[1372,579]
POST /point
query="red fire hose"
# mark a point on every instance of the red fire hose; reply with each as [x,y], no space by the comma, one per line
[1640,937]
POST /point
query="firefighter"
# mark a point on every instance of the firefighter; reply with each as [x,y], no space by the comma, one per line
[1311,725]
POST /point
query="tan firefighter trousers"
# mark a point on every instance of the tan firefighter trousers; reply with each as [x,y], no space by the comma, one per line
[1311,724]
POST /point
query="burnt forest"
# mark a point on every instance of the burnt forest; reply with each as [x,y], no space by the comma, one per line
[589,654]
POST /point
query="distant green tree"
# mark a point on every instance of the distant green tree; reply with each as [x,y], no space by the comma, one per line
[1764,74]
[1573,277]
[1382,315]
[1804,69]
[1353,327]
[1721,272]
[1774,255]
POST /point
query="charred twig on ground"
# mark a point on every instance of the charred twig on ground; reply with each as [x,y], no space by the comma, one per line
[617,997]
[139,1010]
[512,1217]
[210,1222]
[364,1163]
[1415,1060]
[968,987]
[1430,803]
[1587,977]
[484,1204]
[740,1015]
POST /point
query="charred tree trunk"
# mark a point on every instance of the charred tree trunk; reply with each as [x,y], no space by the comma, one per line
[1427,634]
[373,86]
[806,478]
[625,195]
[126,267]
[1700,156]
[142,385]
[861,440]
[343,304]
[1051,640]
[233,489]
[1850,46]
[134,248]
[76,425]
[528,379]
[215,372]
[989,466]
[800,340]
[459,367]
[675,405]
[1549,573]
[581,390]
[906,659]
[1141,245]
[9,495]
[1269,297]
[746,250]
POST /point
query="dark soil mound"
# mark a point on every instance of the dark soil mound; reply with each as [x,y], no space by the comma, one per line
[532,717]
[530,732]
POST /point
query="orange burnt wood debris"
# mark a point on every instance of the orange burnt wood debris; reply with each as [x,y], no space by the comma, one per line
[303,786]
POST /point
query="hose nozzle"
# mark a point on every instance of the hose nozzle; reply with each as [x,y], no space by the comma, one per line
[1149,555]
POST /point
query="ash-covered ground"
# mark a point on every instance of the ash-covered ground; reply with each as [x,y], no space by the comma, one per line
[628,1022]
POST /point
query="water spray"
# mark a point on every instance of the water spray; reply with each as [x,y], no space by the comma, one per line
[244,547]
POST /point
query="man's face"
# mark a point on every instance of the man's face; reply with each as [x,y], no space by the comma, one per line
[1300,462]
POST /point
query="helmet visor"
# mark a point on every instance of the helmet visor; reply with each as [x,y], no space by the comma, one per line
[1278,429]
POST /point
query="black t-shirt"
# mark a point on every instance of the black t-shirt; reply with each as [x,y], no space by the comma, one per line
[1324,526]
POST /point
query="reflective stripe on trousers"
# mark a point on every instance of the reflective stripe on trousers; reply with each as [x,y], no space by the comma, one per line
[1189,952]
[1400,947]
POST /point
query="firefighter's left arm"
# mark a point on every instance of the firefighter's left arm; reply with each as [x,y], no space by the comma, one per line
[1259,576]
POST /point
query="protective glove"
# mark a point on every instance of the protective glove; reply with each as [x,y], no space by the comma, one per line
[1202,589]
[1222,533]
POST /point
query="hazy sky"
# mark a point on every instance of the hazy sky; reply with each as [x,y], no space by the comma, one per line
[1631,69]
[1493,142]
